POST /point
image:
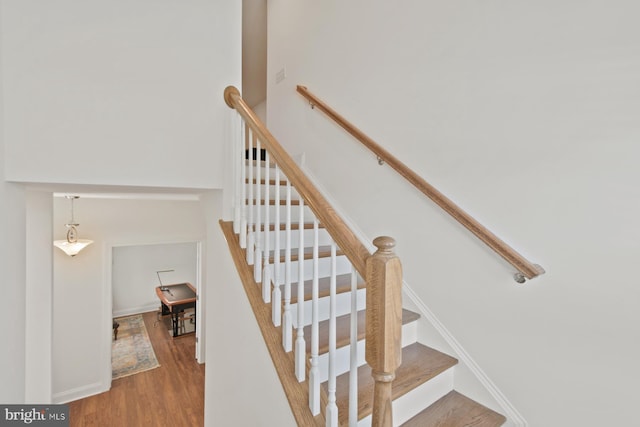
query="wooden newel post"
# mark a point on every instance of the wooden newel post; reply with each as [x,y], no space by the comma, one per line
[383,347]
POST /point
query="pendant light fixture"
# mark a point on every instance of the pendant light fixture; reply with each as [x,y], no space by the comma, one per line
[72,245]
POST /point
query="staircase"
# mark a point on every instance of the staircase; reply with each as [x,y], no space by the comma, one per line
[422,390]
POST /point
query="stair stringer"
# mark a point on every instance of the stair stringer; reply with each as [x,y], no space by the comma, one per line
[467,371]
[296,392]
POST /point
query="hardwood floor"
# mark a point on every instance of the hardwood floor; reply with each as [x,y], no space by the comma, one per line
[171,395]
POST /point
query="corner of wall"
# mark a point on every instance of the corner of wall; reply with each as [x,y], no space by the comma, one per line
[13,267]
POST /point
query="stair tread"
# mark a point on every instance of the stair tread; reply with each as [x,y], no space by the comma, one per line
[323,252]
[272,202]
[343,284]
[343,330]
[456,410]
[262,181]
[419,364]
[294,226]
[261,163]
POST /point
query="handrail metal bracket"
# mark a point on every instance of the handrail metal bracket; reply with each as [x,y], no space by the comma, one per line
[519,277]
[380,161]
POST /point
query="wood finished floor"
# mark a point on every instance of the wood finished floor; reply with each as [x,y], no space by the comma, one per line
[171,395]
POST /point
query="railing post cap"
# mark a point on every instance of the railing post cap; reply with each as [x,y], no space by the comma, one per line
[384,243]
[229,92]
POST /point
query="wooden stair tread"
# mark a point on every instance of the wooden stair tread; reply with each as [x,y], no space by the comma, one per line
[343,330]
[419,364]
[262,181]
[343,284]
[294,226]
[456,410]
[323,252]
[261,163]
[294,202]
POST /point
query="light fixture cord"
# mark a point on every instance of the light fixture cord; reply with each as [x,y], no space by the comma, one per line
[72,220]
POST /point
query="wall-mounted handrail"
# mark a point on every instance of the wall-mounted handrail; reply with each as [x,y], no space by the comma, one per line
[341,233]
[524,267]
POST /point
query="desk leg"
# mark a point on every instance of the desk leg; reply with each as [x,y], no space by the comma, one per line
[165,309]
[174,321]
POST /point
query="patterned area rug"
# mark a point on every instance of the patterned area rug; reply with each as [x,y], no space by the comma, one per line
[132,352]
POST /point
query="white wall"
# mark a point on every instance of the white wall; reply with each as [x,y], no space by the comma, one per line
[134,274]
[254,51]
[234,340]
[526,115]
[39,292]
[12,285]
[82,296]
[261,110]
[129,93]
[12,278]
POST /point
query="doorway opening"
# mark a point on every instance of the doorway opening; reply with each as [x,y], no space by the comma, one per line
[142,276]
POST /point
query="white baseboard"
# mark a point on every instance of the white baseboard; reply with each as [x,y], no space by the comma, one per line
[136,310]
[79,393]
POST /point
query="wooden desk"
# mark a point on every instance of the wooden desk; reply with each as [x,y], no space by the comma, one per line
[176,299]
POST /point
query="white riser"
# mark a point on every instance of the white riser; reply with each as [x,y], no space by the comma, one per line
[308,215]
[272,191]
[343,266]
[261,172]
[323,238]
[343,306]
[405,407]
[343,354]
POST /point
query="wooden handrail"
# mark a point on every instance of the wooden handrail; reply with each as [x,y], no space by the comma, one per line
[382,270]
[525,267]
[337,228]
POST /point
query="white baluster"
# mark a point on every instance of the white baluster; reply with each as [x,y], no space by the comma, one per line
[301,346]
[257,265]
[243,199]
[314,372]
[250,234]
[287,321]
[353,372]
[331,413]
[276,298]
[237,178]
[266,276]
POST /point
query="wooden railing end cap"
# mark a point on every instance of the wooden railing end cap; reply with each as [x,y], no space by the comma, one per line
[539,270]
[229,93]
